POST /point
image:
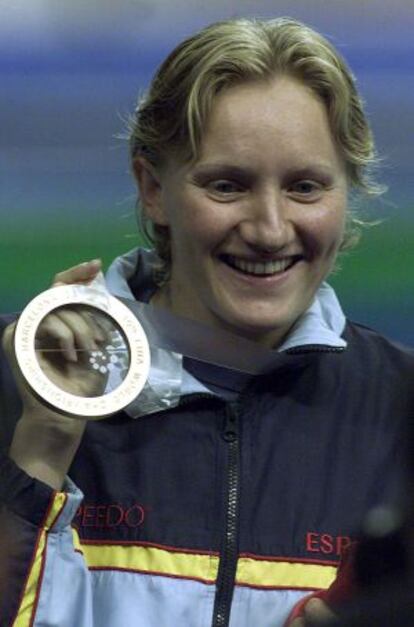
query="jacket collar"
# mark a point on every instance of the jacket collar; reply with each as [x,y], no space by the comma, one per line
[322,324]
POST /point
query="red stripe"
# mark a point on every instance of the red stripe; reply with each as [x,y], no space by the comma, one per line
[174,549]
[256,587]
[59,512]
[171,549]
[197,579]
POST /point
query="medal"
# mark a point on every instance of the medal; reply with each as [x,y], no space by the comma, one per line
[111,376]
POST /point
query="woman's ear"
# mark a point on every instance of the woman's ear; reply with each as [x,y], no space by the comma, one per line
[150,191]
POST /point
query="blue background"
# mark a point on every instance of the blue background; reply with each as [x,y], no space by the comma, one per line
[70,74]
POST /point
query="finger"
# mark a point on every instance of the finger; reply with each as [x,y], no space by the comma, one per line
[84,321]
[318,609]
[81,273]
[82,328]
[53,328]
[94,320]
[105,328]
[70,330]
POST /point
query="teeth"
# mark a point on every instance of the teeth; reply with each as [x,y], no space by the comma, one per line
[268,267]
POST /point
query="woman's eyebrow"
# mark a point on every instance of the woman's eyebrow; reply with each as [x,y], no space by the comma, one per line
[233,171]
[222,169]
[317,169]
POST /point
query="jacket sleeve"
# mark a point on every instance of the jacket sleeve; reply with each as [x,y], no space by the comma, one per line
[43,577]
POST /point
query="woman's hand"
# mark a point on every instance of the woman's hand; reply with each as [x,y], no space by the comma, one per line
[45,441]
[314,610]
[65,340]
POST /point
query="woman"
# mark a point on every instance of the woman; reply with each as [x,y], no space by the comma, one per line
[228,508]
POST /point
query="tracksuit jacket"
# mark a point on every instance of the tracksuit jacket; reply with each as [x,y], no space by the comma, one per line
[224,510]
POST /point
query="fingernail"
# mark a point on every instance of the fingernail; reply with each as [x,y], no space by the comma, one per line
[99,336]
[90,345]
[92,264]
[71,354]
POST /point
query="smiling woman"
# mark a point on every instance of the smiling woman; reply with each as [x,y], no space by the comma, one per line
[256,221]
[286,418]
[172,118]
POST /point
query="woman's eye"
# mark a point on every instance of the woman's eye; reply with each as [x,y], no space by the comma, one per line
[224,187]
[306,188]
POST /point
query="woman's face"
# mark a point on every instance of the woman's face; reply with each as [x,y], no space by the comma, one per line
[257,221]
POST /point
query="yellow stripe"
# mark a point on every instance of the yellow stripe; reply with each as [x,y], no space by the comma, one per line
[250,571]
[27,605]
[59,501]
[279,574]
[149,559]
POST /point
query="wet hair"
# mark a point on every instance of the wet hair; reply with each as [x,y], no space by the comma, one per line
[171,117]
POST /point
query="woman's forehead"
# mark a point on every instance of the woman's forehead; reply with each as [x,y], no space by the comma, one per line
[263,102]
[261,121]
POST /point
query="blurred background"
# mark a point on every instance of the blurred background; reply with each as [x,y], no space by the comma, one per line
[70,72]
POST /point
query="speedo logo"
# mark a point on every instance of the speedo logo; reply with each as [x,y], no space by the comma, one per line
[108,516]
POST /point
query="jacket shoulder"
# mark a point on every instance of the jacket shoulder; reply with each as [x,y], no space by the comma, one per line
[10,403]
[363,339]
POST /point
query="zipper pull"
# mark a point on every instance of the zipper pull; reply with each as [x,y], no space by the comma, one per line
[231,427]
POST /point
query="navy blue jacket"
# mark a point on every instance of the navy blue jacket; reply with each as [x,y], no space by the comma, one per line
[214,512]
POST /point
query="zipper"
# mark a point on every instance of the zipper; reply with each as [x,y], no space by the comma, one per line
[193,397]
[229,548]
[314,348]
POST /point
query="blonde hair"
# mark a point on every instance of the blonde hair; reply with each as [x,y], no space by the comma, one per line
[170,118]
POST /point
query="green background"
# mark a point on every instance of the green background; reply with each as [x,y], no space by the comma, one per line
[70,73]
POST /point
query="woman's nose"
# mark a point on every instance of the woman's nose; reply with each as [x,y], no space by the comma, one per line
[265,225]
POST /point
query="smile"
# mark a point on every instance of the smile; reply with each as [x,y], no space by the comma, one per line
[261,268]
